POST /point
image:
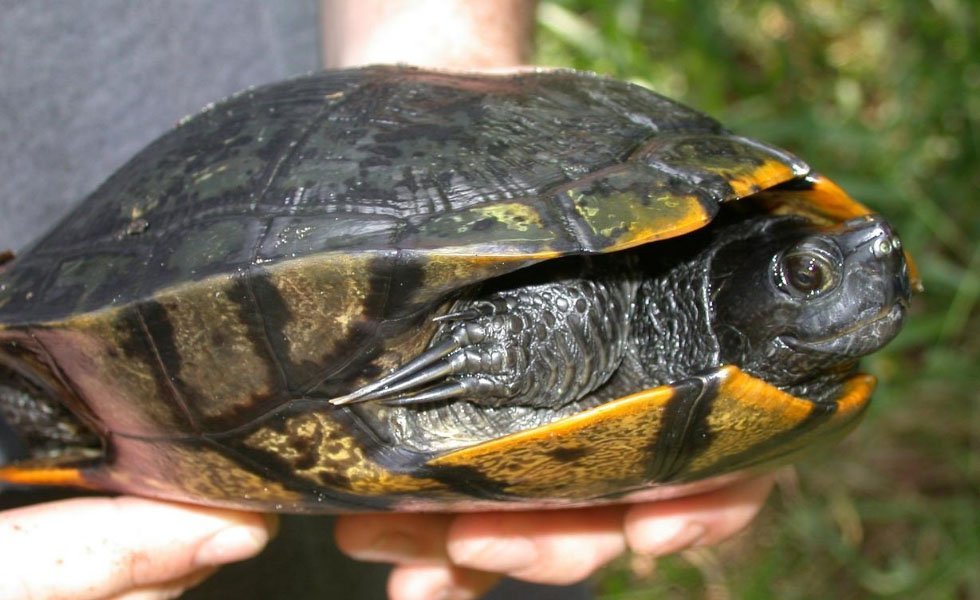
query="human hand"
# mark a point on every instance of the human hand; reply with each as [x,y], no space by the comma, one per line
[462,555]
[120,547]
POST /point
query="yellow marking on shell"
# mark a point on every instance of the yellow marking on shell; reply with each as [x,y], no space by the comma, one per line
[208,173]
[854,398]
[324,301]
[319,450]
[825,202]
[121,390]
[671,216]
[494,226]
[748,412]
[207,474]
[41,475]
[211,339]
[624,208]
[832,201]
[768,174]
[477,256]
[607,438]
[606,449]
[137,207]
[494,255]
[189,472]
[513,215]
[446,271]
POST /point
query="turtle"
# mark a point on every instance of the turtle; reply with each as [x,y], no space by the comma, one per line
[390,288]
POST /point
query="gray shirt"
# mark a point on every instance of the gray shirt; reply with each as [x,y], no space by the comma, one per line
[84,85]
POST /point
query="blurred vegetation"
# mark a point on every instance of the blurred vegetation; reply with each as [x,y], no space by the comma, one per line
[884,98]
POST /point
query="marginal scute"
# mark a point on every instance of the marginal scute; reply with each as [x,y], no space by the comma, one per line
[626,207]
[613,433]
[221,359]
[202,470]
[314,448]
[108,360]
[814,197]
[749,417]
[319,304]
[770,173]
[26,473]
[729,166]
[608,449]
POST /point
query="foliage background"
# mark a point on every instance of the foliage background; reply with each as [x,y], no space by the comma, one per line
[884,98]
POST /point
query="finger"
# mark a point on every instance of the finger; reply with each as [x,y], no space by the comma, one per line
[169,589]
[445,582]
[668,526]
[99,547]
[554,547]
[406,538]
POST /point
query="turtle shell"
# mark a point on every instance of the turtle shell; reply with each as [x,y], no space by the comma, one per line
[294,241]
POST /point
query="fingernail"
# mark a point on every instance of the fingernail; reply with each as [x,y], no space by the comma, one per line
[501,556]
[271,524]
[453,593]
[230,545]
[671,536]
[391,547]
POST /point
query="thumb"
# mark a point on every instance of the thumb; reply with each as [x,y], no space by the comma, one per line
[98,547]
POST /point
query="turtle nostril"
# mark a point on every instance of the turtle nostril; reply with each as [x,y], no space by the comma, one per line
[902,289]
[882,248]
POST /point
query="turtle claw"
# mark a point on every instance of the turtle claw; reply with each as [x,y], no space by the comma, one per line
[437,371]
[410,374]
[427,367]
[442,392]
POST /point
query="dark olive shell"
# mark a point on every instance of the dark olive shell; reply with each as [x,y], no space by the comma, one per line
[294,241]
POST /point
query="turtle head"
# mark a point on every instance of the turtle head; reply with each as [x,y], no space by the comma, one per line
[791,299]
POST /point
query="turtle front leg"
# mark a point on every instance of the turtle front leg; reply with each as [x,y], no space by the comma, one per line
[539,345]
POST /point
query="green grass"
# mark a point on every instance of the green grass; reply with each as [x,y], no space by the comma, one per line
[884,98]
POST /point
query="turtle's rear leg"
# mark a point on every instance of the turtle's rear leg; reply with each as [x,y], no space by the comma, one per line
[42,423]
[536,345]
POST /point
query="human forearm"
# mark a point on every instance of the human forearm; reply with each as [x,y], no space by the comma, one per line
[460,34]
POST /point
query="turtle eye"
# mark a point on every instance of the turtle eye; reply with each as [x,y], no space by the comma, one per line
[805,273]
